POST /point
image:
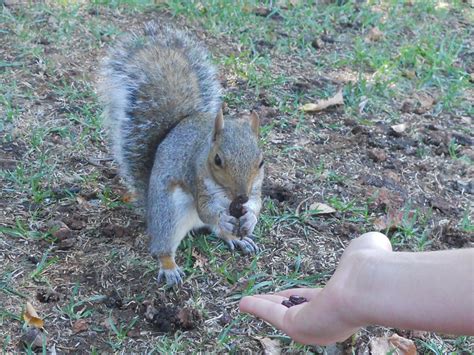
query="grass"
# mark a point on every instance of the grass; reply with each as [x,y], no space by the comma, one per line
[51,130]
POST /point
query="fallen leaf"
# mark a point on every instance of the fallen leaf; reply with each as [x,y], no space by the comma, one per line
[386,199]
[374,35]
[324,104]
[320,208]
[392,220]
[200,261]
[270,346]
[407,346]
[80,325]
[31,317]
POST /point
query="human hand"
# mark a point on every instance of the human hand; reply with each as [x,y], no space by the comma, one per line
[332,313]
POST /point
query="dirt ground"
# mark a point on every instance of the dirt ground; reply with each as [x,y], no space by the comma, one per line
[396,157]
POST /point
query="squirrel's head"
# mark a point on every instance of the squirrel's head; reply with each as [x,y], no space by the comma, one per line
[235,160]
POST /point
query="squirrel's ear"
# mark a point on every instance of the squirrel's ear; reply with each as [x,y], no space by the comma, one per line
[255,123]
[218,125]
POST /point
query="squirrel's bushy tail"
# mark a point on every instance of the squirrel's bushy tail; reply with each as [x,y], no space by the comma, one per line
[148,85]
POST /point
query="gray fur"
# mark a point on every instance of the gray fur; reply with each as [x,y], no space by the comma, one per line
[161,99]
[139,107]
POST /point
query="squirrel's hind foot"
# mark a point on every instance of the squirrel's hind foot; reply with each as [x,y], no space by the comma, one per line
[173,277]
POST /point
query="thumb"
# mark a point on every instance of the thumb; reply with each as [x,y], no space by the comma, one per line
[372,240]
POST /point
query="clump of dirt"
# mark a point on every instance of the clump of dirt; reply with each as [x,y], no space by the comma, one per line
[48,296]
[169,318]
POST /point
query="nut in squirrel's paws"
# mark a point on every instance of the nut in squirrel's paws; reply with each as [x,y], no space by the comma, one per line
[172,276]
[246,244]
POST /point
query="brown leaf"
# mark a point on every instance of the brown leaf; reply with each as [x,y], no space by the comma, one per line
[320,208]
[407,346]
[324,104]
[80,325]
[270,346]
[200,261]
[31,317]
[386,199]
[374,35]
[391,221]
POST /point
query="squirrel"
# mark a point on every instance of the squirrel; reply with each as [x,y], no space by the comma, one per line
[177,154]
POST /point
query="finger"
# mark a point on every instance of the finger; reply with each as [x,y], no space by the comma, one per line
[308,293]
[374,240]
[272,298]
[269,311]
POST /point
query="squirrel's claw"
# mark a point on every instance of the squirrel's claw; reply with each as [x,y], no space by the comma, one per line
[172,276]
[246,244]
[228,224]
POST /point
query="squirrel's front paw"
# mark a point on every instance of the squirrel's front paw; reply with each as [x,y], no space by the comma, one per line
[173,277]
[246,244]
[228,224]
[247,223]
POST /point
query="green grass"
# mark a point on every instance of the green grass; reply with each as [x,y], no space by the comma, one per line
[77,307]
[410,47]
[53,51]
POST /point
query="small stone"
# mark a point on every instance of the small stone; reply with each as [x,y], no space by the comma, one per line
[33,338]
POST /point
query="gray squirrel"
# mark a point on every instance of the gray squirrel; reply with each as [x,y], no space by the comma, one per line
[177,154]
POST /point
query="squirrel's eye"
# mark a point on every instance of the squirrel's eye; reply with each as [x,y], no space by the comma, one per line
[261,164]
[217,160]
